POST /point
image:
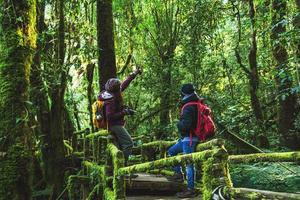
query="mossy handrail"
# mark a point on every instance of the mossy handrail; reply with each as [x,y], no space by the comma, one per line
[149,150]
[265,157]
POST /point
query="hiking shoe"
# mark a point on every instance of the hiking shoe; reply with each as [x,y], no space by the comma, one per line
[176,178]
[188,193]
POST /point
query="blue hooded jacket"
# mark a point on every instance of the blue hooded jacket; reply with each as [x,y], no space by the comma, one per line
[188,120]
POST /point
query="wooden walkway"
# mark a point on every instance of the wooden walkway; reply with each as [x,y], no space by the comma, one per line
[153,187]
[148,197]
[151,182]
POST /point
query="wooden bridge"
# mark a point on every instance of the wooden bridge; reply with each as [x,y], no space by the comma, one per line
[103,174]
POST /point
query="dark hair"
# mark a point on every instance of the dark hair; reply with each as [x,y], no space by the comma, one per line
[118,100]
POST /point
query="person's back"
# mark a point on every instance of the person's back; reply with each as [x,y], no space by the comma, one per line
[188,140]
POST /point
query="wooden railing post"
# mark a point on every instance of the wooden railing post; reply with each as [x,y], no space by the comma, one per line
[215,173]
[115,159]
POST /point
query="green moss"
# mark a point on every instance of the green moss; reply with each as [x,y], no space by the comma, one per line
[118,179]
[97,134]
[162,172]
[73,185]
[17,41]
[95,193]
[252,194]
[266,157]
[171,161]
[210,144]
[109,194]
[14,173]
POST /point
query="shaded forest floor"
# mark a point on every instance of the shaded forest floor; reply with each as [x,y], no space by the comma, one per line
[267,176]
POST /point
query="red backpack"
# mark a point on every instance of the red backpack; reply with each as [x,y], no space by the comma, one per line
[205,127]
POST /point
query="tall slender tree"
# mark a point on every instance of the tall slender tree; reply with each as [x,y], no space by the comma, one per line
[55,154]
[106,48]
[251,71]
[287,100]
[17,45]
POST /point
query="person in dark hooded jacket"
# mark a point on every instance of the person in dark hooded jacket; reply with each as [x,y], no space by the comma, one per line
[115,112]
[187,142]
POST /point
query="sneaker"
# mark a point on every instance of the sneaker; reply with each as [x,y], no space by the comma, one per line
[176,178]
[188,193]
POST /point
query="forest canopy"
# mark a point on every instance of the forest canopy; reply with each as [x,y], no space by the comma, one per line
[56,56]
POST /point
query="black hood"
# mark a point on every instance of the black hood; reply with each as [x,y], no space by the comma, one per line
[193,97]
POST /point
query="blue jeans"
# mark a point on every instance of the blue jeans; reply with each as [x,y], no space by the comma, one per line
[185,147]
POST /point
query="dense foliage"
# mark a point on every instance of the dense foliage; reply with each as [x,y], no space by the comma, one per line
[242,56]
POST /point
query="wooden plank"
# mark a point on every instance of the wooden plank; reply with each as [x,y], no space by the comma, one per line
[151,182]
[151,197]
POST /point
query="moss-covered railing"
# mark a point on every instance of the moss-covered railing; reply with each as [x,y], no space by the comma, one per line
[214,167]
[158,149]
[265,157]
[104,170]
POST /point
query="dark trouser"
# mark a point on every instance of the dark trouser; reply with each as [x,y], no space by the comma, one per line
[124,140]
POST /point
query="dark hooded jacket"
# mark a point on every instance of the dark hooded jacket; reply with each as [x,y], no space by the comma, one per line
[188,119]
[115,114]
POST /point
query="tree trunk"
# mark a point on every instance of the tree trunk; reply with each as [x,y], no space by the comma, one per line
[287,101]
[38,96]
[90,92]
[55,155]
[165,100]
[297,26]
[17,44]
[296,23]
[251,73]
[254,78]
[106,48]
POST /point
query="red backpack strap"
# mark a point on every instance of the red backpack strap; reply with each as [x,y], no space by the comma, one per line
[198,107]
[189,104]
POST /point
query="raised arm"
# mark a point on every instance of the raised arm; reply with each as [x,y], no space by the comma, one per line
[130,78]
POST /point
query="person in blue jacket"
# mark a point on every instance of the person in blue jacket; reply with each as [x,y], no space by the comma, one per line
[187,143]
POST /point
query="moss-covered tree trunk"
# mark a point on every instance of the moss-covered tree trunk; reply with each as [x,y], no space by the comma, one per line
[17,44]
[90,91]
[106,47]
[253,73]
[38,96]
[287,100]
[54,156]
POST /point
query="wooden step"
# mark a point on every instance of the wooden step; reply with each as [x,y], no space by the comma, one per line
[151,182]
[149,197]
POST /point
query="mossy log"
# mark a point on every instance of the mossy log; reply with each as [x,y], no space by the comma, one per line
[171,161]
[266,157]
[253,194]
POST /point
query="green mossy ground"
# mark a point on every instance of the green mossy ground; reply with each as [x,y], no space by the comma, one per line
[266,176]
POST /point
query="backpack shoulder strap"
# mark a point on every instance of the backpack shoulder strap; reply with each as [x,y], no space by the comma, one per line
[190,104]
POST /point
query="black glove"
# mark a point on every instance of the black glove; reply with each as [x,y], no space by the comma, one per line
[128,111]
